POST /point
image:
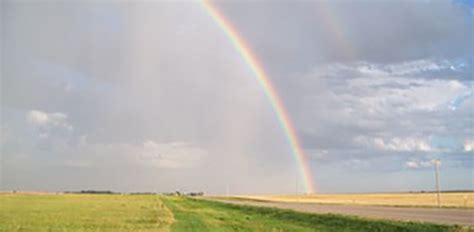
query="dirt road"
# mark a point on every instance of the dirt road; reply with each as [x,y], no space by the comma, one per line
[434,215]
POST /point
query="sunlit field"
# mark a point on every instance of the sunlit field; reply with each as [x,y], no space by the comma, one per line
[457,199]
[71,212]
[67,212]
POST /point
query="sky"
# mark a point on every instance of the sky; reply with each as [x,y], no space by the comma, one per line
[153,96]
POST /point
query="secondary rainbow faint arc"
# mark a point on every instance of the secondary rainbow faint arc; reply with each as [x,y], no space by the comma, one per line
[264,81]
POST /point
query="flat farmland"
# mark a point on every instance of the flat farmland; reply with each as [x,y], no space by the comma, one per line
[451,200]
[84,212]
[87,212]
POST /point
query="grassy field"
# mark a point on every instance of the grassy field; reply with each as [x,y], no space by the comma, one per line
[456,200]
[20,212]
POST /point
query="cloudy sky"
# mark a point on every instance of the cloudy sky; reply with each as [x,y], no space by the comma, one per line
[152,96]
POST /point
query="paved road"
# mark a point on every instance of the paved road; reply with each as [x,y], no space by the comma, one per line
[434,215]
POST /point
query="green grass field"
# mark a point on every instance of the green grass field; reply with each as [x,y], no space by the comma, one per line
[83,213]
[21,212]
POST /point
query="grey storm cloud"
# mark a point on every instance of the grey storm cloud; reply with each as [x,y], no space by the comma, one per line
[153,96]
[295,35]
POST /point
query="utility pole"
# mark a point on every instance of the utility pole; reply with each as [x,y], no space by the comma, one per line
[436,168]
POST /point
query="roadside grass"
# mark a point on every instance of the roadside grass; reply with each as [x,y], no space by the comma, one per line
[83,212]
[203,215]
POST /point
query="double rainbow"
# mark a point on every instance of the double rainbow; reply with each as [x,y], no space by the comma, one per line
[267,86]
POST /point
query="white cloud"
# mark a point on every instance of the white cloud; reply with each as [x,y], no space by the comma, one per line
[412,164]
[56,119]
[396,144]
[469,145]
[458,101]
[406,144]
[417,94]
[417,164]
[37,117]
[392,88]
[408,68]
[171,155]
[46,122]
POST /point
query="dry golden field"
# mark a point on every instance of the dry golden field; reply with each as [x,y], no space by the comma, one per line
[120,212]
[457,199]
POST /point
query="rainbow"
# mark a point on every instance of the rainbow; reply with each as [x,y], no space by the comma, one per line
[328,16]
[270,91]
